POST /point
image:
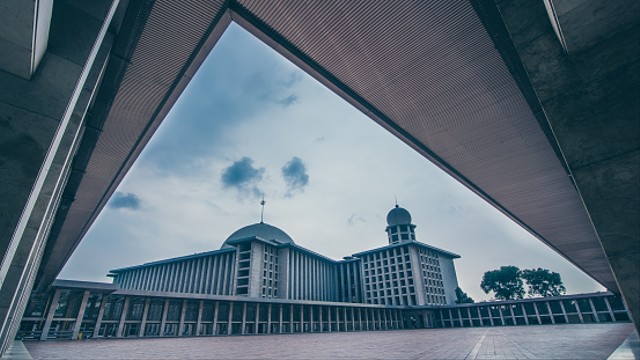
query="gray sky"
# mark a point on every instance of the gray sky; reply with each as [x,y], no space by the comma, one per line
[251,124]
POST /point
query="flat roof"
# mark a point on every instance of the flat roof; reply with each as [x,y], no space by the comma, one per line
[416,243]
[172,260]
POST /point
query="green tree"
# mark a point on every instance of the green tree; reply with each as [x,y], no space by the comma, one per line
[543,282]
[505,283]
[462,297]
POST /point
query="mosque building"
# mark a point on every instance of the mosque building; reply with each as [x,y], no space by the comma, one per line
[261,282]
[262,261]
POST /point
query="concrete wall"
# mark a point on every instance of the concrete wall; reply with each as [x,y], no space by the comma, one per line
[41,124]
[449,278]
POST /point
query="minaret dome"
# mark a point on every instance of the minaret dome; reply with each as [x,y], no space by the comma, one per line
[399,226]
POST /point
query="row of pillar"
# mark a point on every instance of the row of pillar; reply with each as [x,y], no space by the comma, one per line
[320,318]
[494,321]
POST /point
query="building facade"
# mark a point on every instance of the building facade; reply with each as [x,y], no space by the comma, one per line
[262,261]
[261,282]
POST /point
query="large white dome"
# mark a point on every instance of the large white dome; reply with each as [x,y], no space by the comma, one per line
[398,216]
[261,230]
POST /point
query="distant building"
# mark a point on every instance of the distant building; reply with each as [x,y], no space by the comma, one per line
[262,261]
[261,282]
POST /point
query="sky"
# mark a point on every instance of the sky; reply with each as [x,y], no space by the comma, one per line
[252,125]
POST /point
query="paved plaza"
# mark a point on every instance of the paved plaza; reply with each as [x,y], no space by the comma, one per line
[588,341]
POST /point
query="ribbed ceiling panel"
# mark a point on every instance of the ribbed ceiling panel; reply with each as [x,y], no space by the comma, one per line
[167,44]
[431,68]
[428,68]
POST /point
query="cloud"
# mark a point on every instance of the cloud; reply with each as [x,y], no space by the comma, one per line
[355,218]
[242,176]
[292,78]
[295,174]
[288,101]
[218,101]
[121,200]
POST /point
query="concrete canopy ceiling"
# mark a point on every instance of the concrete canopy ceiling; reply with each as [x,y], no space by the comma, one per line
[443,76]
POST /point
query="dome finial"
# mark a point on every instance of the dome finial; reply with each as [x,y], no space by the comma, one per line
[397,201]
[262,210]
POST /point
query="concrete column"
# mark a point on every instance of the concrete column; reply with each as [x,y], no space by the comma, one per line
[280,320]
[52,310]
[215,275]
[451,316]
[337,318]
[206,276]
[163,320]
[360,319]
[244,318]
[535,307]
[183,311]
[564,312]
[152,279]
[353,319]
[320,310]
[348,292]
[257,322]
[344,317]
[230,320]
[269,309]
[297,275]
[291,315]
[579,311]
[78,323]
[366,315]
[96,329]
[460,318]
[123,317]
[283,273]
[606,301]
[329,319]
[197,278]
[593,310]
[199,320]
[310,318]
[502,315]
[490,316]
[162,278]
[526,318]
[301,318]
[553,321]
[385,316]
[169,278]
[143,322]
[215,318]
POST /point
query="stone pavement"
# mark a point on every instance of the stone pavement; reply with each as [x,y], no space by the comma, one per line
[584,341]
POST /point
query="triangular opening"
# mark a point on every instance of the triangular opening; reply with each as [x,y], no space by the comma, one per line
[247,115]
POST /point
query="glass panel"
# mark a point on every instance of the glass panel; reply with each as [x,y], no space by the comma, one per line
[570,306]
[599,304]
[555,307]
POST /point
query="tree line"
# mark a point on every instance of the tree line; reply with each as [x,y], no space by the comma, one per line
[507,283]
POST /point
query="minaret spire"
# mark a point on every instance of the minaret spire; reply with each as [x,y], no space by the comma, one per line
[262,210]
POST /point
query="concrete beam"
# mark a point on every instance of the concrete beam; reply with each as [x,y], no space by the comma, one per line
[580,24]
[590,98]
[42,122]
[24,35]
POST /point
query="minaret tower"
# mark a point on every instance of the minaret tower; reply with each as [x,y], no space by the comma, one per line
[399,226]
